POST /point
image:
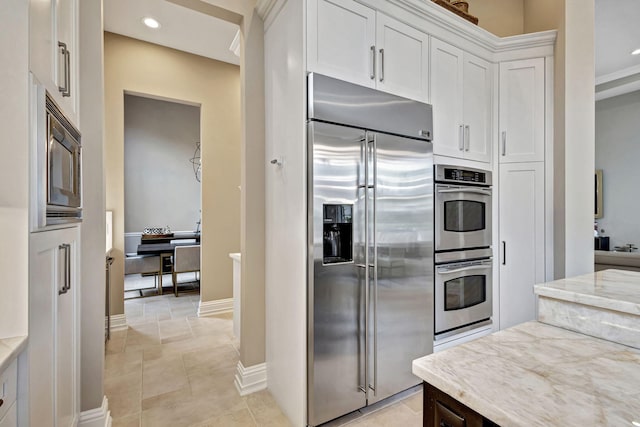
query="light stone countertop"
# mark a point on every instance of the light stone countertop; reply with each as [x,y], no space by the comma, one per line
[10,348]
[540,375]
[617,290]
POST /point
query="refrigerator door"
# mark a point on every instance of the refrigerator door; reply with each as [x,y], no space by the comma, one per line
[401,306]
[336,349]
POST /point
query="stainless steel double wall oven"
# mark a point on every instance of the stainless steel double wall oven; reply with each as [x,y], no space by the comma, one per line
[370,283]
[463,263]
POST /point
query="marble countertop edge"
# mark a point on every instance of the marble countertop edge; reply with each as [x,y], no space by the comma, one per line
[10,348]
[586,299]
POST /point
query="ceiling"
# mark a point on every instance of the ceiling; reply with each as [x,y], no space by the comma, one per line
[617,34]
[181,28]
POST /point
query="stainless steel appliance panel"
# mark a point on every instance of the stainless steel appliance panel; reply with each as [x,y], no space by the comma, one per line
[402,292]
[336,101]
[336,347]
[462,217]
[463,294]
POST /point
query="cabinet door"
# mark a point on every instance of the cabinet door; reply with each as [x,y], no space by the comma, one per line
[521,240]
[11,417]
[522,87]
[65,70]
[403,59]
[53,327]
[341,40]
[446,98]
[477,108]
[52,22]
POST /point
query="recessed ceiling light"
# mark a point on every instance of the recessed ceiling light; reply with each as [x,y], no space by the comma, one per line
[150,22]
[636,52]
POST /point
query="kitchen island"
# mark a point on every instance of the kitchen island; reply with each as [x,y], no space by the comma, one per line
[537,374]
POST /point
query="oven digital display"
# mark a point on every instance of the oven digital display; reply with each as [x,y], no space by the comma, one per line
[465,175]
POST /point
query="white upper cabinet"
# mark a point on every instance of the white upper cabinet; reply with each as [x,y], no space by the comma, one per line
[403,59]
[341,40]
[352,42]
[461,86]
[53,51]
[522,114]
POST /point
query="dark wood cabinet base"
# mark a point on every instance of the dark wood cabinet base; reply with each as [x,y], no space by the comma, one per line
[442,410]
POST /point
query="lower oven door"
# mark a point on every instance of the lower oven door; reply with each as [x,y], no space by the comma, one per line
[462,294]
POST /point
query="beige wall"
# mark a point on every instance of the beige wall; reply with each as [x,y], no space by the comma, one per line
[500,17]
[139,67]
[574,127]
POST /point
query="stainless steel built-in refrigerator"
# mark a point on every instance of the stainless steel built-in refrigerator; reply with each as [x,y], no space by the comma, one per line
[370,272]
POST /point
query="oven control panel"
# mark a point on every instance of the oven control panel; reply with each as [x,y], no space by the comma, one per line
[455,174]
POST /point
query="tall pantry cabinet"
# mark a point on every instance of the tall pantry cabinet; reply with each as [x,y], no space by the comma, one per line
[53,352]
[521,187]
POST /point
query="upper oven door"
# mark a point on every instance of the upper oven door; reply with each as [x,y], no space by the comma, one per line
[63,166]
[462,217]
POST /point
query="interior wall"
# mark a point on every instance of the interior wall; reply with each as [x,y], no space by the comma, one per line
[574,123]
[93,233]
[500,17]
[617,153]
[134,66]
[14,168]
[160,187]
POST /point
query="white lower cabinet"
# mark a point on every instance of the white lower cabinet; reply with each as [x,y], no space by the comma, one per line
[522,249]
[54,328]
[11,417]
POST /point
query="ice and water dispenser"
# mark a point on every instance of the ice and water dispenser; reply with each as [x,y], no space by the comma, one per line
[337,234]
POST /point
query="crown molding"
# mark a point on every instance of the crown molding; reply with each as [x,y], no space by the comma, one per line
[235,44]
[620,74]
[269,9]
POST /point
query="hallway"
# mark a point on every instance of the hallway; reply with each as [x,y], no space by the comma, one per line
[172,368]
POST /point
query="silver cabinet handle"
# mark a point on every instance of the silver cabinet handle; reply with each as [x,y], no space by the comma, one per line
[461,137]
[504,142]
[63,51]
[381,65]
[372,75]
[66,89]
[66,248]
[467,132]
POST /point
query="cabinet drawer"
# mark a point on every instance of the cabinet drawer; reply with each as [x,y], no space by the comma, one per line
[8,388]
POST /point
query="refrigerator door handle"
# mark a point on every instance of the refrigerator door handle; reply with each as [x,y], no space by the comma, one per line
[366,263]
[375,269]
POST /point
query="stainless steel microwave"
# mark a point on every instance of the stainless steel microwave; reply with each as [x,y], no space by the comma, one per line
[59,164]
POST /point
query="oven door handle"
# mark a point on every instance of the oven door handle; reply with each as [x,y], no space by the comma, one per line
[466,190]
[445,270]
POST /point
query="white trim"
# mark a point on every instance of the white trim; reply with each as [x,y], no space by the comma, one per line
[618,90]
[118,322]
[98,417]
[251,379]
[268,10]
[235,44]
[210,308]
[620,74]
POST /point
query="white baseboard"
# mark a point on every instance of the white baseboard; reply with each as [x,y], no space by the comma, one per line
[251,379]
[209,308]
[118,322]
[98,417]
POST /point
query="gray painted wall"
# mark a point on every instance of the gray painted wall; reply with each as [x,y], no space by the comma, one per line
[160,186]
[618,154]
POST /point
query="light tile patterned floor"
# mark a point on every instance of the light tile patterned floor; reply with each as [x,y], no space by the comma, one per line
[172,368]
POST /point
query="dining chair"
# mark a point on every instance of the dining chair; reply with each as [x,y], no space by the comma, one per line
[186,259]
[143,264]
